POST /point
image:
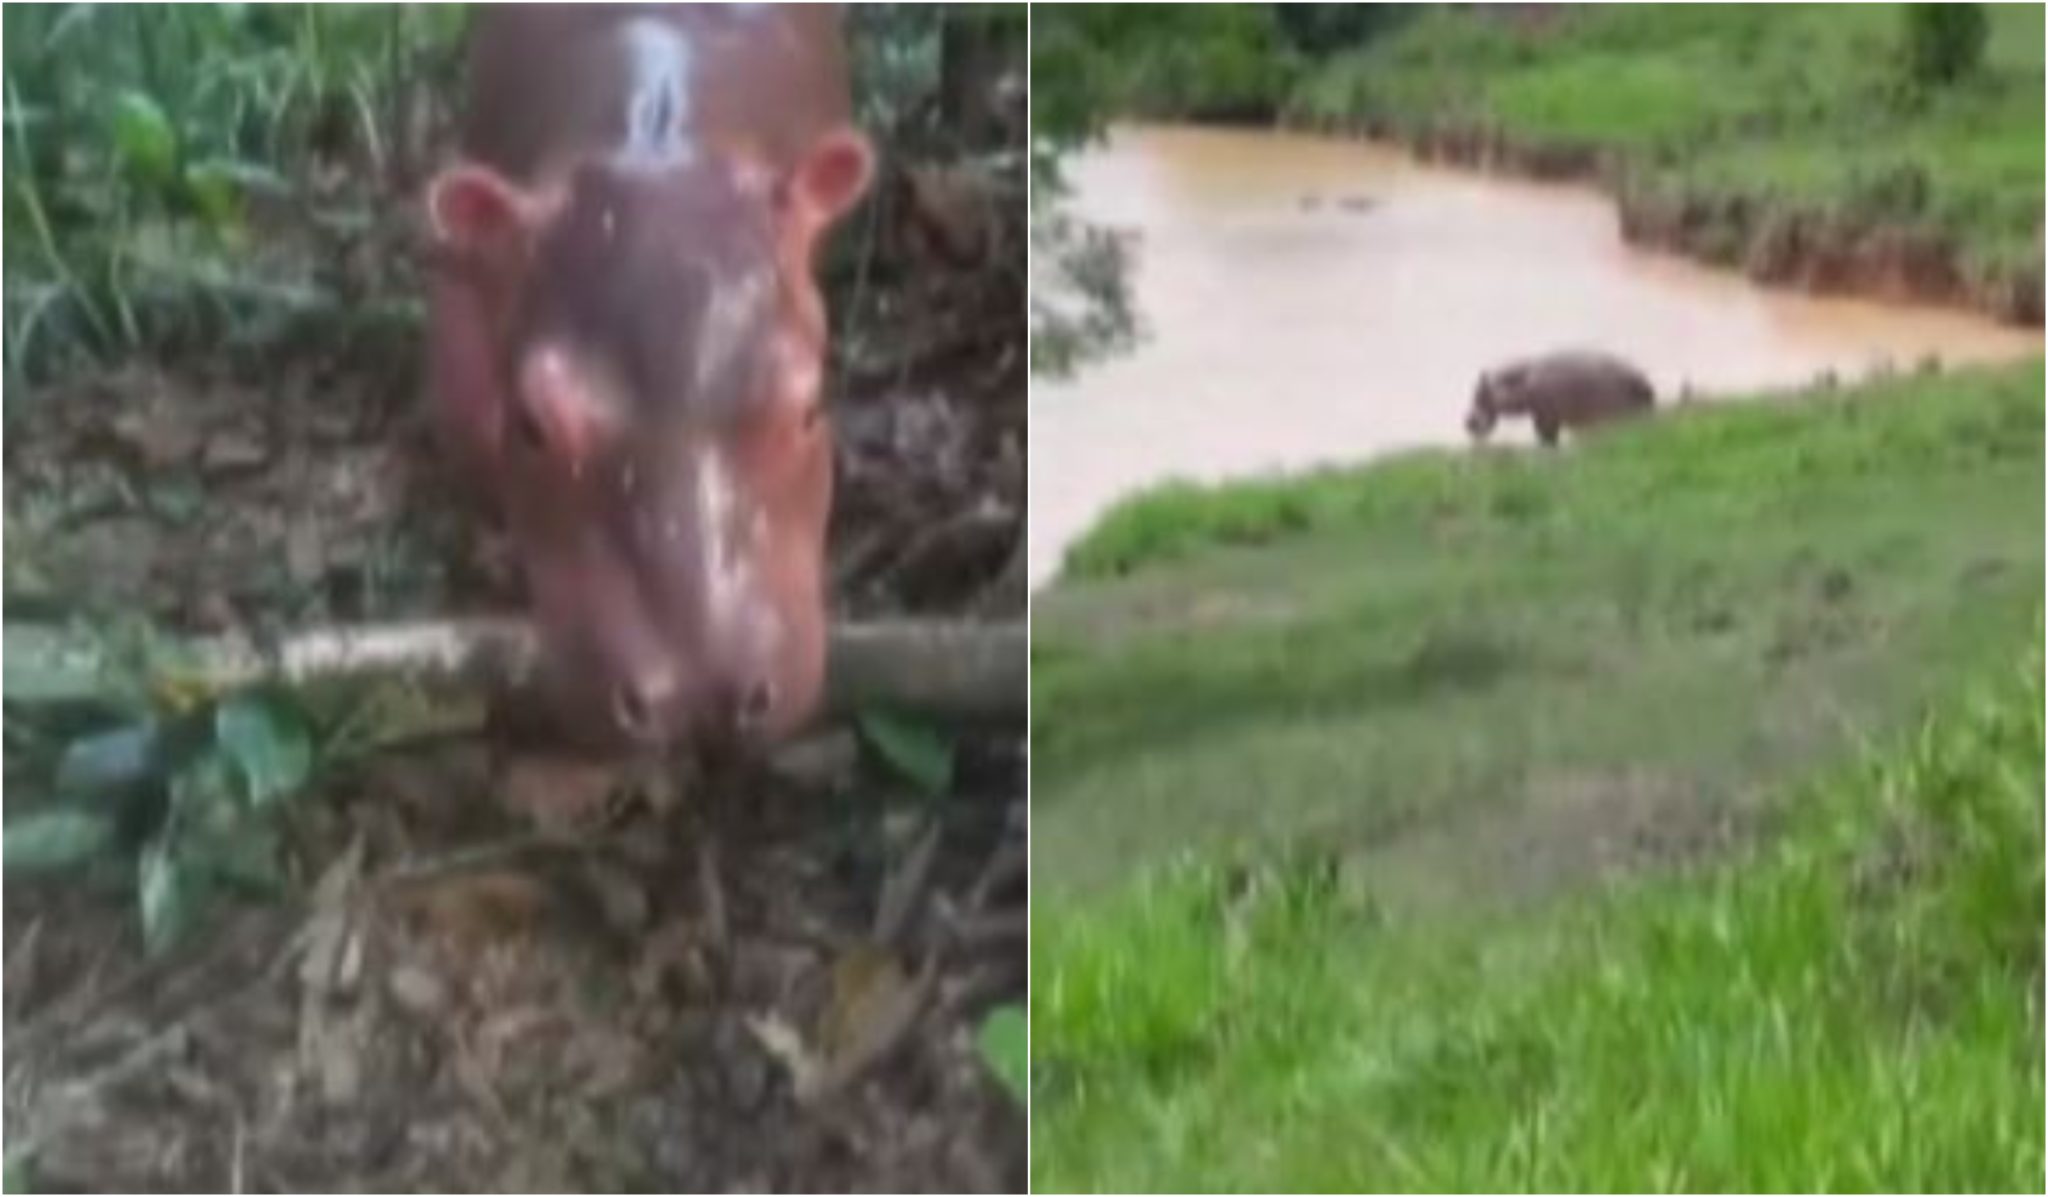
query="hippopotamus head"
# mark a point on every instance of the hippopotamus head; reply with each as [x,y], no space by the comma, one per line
[1489,403]
[652,429]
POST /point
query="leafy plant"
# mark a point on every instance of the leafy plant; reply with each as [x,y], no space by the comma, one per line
[913,750]
[144,145]
[1944,42]
[192,796]
[1082,310]
[1005,1044]
[56,839]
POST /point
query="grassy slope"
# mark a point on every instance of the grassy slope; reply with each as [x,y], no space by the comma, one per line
[1857,1008]
[1481,679]
[1814,122]
[1672,615]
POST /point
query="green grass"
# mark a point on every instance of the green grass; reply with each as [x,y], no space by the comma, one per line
[1856,1007]
[1800,106]
[1347,793]
[1671,613]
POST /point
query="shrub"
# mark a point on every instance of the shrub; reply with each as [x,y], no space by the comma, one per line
[1944,42]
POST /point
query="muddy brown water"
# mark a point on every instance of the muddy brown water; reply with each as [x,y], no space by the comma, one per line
[1311,300]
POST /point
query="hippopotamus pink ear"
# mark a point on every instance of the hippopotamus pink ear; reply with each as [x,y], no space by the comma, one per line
[478,212]
[828,181]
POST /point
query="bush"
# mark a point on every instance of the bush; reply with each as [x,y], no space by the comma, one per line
[1944,42]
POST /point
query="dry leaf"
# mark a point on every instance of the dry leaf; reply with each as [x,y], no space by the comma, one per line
[155,434]
[782,1042]
[873,1006]
[470,910]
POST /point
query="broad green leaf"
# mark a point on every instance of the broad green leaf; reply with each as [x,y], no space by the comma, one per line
[110,762]
[267,742]
[165,893]
[51,665]
[1005,1043]
[54,839]
[144,136]
[912,749]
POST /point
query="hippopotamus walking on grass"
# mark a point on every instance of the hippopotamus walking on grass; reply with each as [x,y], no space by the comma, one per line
[1570,389]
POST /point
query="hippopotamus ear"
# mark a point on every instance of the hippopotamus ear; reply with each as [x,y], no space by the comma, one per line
[1482,394]
[829,180]
[477,212]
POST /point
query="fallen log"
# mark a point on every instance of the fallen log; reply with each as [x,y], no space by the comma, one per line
[956,669]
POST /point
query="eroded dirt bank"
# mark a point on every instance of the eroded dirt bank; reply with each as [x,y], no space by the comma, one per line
[1820,252]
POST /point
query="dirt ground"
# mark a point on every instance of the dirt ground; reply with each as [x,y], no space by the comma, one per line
[493,969]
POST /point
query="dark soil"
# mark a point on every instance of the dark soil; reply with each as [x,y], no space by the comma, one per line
[493,969]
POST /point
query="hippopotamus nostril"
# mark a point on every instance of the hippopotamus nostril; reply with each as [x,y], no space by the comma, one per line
[638,704]
[630,710]
[756,703]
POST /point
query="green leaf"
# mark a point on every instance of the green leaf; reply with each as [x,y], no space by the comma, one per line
[204,793]
[267,742]
[165,892]
[218,187]
[919,754]
[144,136]
[110,762]
[54,839]
[14,1175]
[215,195]
[181,499]
[50,665]
[1005,1043]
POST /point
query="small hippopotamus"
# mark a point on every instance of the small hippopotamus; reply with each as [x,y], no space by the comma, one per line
[1569,389]
[628,347]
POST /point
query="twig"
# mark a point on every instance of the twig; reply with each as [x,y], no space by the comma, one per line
[470,858]
[963,669]
[168,1041]
[982,930]
[20,964]
[1009,862]
[960,669]
[905,886]
[238,1155]
[711,890]
[982,521]
[89,997]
